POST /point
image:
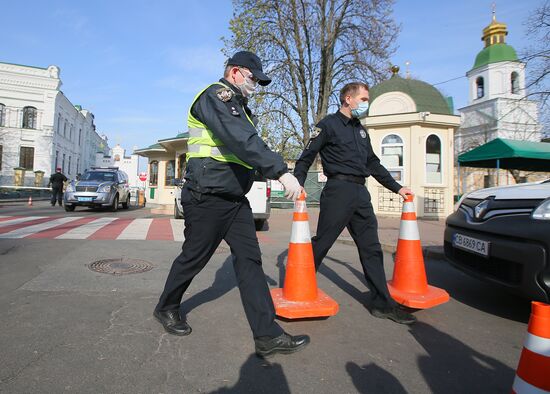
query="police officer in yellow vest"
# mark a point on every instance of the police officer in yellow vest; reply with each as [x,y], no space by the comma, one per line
[224,150]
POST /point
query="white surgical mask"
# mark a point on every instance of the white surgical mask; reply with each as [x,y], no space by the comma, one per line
[248,87]
[361,109]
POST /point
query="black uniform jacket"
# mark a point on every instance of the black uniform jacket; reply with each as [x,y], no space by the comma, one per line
[345,149]
[57,180]
[228,122]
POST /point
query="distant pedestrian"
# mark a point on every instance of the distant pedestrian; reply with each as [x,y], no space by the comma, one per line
[56,182]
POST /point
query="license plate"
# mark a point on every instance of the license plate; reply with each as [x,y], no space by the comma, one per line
[470,244]
[85,198]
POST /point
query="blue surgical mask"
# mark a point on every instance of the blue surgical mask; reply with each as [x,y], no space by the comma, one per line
[361,109]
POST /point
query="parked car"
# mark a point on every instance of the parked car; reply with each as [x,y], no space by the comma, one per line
[502,235]
[258,196]
[98,187]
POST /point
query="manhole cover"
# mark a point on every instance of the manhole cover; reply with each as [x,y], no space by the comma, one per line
[120,266]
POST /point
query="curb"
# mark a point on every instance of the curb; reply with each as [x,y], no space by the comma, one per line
[432,251]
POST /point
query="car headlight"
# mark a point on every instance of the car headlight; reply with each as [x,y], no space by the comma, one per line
[104,189]
[543,211]
[70,188]
[464,196]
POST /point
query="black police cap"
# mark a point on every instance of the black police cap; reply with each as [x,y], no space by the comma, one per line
[253,63]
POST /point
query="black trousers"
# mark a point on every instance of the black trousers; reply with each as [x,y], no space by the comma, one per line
[57,195]
[208,220]
[347,204]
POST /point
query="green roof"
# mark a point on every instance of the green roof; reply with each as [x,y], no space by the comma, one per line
[151,147]
[509,154]
[495,53]
[425,96]
[180,135]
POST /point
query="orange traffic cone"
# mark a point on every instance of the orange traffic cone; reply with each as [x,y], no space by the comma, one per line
[300,296]
[409,285]
[533,373]
[30,201]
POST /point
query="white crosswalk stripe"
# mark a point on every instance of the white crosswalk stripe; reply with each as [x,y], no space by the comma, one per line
[26,231]
[177,229]
[20,220]
[84,231]
[137,229]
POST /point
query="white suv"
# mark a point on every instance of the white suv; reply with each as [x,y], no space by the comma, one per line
[258,196]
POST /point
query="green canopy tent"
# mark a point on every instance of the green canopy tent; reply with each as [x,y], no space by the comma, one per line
[508,154]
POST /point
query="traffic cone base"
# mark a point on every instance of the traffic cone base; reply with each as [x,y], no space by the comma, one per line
[300,297]
[409,285]
[322,306]
[433,296]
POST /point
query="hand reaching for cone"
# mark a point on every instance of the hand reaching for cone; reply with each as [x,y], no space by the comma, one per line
[293,189]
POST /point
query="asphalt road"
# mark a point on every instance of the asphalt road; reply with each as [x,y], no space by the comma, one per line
[68,329]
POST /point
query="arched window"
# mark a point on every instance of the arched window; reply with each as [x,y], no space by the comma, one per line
[29,118]
[433,159]
[480,88]
[153,173]
[514,81]
[2,114]
[392,155]
[170,173]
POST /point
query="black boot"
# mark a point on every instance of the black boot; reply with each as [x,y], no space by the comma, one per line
[284,343]
[394,313]
[172,322]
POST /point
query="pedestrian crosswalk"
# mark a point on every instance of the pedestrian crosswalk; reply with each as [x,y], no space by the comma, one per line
[93,228]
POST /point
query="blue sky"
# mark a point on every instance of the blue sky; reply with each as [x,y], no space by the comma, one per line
[137,64]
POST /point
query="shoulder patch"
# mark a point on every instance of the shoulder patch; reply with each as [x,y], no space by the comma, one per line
[224,94]
[315,132]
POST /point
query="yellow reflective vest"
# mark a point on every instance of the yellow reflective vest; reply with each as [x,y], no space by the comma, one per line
[203,143]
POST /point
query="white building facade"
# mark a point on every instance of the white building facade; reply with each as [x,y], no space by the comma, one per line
[117,158]
[498,105]
[40,129]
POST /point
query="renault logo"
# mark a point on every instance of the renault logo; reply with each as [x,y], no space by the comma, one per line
[481,209]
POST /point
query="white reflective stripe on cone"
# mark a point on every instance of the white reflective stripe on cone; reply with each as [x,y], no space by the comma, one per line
[538,345]
[408,230]
[300,206]
[408,207]
[300,233]
[520,386]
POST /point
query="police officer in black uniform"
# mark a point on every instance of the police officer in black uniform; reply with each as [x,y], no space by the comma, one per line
[56,181]
[348,159]
[224,151]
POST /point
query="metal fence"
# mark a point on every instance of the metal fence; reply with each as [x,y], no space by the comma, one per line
[313,185]
[16,192]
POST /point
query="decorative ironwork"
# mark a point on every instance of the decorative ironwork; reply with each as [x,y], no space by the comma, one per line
[388,201]
[434,200]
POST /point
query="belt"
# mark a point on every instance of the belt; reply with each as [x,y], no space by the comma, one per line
[350,178]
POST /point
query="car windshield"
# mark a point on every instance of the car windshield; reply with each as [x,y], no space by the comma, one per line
[98,176]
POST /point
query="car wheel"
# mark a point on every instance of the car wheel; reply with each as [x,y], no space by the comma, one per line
[177,213]
[259,223]
[69,208]
[114,207]
[126,204]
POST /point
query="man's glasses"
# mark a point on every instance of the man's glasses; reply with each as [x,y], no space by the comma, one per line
[249,76]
